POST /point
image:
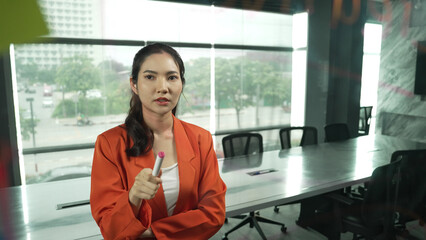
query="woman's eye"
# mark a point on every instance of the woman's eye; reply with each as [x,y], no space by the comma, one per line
[173,77]
[149,77]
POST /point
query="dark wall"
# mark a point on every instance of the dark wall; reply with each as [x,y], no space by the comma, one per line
[9,166]
[318,61]
[335,52]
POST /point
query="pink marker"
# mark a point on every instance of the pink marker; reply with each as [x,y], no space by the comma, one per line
[158,162]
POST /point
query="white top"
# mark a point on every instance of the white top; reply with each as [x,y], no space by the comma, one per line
[170,177]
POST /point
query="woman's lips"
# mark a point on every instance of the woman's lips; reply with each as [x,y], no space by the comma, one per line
[162,101]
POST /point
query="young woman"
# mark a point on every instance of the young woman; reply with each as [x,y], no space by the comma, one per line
[187,199]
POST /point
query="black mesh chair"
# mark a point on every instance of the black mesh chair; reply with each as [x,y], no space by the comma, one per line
[239,144]
[364,120]
[336,132]
[305,136]
[411,204]
[246,144]
[396,194]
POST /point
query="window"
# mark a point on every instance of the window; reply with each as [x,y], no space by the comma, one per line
[370,68]
[56,98]
[239,75]
[251,87]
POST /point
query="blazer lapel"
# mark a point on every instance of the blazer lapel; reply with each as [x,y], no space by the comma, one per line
[185,153]
[158,203]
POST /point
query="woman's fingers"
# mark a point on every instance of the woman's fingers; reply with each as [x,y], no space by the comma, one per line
[146,185]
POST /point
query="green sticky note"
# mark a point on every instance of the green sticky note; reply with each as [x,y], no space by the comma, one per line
[20,21]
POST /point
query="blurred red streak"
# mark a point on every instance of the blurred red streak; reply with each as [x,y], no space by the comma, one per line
[396,89]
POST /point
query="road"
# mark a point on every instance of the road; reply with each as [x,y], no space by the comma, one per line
[51,131]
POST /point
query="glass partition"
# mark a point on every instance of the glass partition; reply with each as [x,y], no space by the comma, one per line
[74,86]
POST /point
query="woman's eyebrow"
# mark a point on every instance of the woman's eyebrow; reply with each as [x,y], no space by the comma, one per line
[154,72]
[150,71]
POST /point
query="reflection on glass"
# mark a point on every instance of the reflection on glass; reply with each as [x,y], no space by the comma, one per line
[244,162]
[294,177]
[48,167]
[25,205]
[365,151]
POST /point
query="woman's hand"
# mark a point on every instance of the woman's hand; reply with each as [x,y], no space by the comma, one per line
[145,187]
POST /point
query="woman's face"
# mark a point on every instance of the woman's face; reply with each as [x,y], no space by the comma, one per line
[159,84]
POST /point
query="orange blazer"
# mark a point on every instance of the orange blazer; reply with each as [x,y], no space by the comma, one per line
[200,207]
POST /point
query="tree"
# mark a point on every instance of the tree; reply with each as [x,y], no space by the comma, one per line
[27,124]
[77,74]
[113,66]
[115,86]
[229,85]
[267,83]
[31,73]
[196,92]
[250,80]
[47,75]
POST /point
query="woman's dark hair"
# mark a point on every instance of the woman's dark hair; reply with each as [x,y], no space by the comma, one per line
[136,127]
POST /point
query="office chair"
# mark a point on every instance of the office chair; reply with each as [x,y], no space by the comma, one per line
[372,216]
[394,197]
[412,194]
[336,132]
[245,144]
[239,144]
[364,120]
[308,136]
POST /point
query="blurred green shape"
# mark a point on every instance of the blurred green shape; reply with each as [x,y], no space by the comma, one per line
[20,21]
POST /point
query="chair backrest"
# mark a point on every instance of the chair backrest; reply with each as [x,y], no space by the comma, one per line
[336,132]
[306,136]
[242,144]
[411,202]
[396,192]
[378,207]
[364,120]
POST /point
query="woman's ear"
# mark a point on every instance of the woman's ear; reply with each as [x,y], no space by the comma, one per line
[133,86]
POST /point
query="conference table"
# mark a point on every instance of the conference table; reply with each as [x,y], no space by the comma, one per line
[57,209]
[283,176]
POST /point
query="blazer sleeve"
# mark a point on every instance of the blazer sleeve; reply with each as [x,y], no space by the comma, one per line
[209,216]
[109,199]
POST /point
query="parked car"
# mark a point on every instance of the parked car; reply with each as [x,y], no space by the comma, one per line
[30,90]
[94,93]
[47,102]
[47,91]
[62,173]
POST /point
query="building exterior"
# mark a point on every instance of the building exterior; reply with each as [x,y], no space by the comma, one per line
[69,19]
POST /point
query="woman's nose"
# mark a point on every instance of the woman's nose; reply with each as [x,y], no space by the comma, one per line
[162,85]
